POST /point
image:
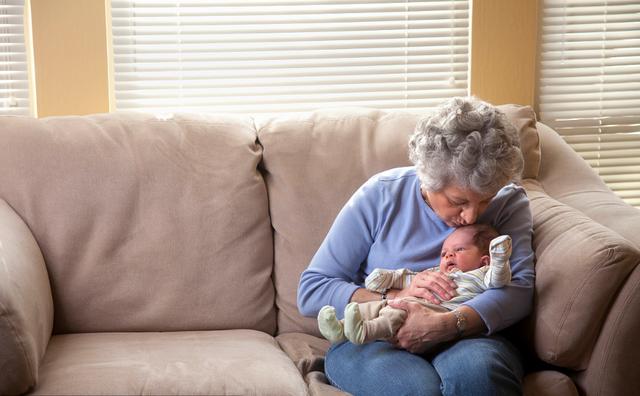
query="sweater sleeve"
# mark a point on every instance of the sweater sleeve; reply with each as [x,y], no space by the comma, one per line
[502,307]
[335,271]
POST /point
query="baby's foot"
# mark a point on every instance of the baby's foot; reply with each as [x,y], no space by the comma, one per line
[330,327]
[353,324]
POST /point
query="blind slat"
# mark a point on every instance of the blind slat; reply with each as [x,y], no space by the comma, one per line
[284,56]
[14,86]
[589,85]
[276,107]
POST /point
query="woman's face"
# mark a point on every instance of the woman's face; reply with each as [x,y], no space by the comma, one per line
[457,206]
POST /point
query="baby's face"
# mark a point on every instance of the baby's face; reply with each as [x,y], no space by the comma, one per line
[459,252]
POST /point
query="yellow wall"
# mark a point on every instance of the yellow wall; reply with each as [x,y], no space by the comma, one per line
[71,53]
[503,50]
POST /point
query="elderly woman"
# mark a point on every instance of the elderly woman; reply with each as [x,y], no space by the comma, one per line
[466,158]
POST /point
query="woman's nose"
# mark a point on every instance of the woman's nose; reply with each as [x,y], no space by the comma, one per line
[469,215]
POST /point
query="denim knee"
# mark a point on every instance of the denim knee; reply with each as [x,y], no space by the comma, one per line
[379,369]
[480,366]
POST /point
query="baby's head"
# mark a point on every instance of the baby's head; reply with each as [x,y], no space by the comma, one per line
[467,248]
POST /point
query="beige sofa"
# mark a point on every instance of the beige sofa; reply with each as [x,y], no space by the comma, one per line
[160,255]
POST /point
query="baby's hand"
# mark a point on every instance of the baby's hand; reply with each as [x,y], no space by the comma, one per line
[432,286]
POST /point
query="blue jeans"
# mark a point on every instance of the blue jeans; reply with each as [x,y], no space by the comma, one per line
[471,366]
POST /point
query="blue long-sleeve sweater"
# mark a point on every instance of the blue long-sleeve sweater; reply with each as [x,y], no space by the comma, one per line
[387,224]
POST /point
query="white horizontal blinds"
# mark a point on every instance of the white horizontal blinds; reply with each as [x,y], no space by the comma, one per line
[14,83]
[285,55]
[589,88]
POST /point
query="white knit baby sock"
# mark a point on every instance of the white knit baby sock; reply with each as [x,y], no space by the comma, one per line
[330,327]
[353,324]
[381,280]
[499,273]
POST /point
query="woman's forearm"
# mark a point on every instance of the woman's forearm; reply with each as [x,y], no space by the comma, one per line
[363,295]
[425,329]
[473,323]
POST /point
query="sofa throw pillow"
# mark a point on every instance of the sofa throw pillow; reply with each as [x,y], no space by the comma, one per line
[580,266]
[524,119]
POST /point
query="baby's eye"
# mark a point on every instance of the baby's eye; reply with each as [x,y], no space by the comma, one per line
[460,249]
[442,254]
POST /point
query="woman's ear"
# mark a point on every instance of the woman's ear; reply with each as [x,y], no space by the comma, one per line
[485,260]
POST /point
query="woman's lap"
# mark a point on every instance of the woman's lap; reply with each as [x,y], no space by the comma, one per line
[483,365]
[480,366]
[379,368]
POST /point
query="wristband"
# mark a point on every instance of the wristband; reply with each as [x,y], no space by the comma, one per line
[461,322]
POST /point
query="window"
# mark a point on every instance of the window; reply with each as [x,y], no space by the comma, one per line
[260,56]
[14,84]
[589,88]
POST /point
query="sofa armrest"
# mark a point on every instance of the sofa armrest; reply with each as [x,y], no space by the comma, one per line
[613,368]
[566,177]
[26,306]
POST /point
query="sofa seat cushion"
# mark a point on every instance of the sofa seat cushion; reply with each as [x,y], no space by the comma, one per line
[237,362]
[548,383]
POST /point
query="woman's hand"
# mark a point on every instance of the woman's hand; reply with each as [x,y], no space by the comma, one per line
[423,328]
[429,285]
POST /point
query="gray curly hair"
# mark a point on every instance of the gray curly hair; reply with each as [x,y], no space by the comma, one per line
[467,142]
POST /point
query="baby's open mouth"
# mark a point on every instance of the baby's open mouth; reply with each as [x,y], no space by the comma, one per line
[450,266]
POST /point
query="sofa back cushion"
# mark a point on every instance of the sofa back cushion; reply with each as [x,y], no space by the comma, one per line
[314,162]
[145,224]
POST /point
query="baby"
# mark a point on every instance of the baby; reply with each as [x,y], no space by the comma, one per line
[476,257]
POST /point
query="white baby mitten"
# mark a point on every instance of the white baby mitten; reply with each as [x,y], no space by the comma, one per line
[499,273]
